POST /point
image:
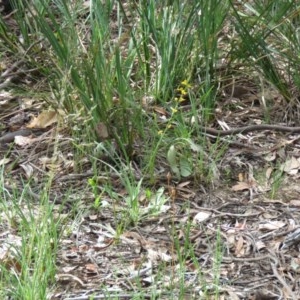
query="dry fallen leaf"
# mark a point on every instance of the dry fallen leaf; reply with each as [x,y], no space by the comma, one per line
[43,120]
[12,264]
[268,173]
[102,131]
[295,203]
[4,161]
[69,269]
[201,216]
[90,269]
[260,245]
[239,247]
[270,156]
[241,186]
[271,225]
[291,166]
[155,256]
[28,170]
[160,110]
[23,141]
[240,226]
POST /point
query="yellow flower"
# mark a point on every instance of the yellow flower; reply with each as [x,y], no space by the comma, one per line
[174,110]
[185,83]
[181,99]
[160,132]
[182,91]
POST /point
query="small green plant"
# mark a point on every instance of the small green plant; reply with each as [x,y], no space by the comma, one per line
[276,182]
[132,200]
[97,194]
[180,157]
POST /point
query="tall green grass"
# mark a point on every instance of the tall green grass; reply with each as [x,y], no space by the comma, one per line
[29,265]
[269,41]
[100,72]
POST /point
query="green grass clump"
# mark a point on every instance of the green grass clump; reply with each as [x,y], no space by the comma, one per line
[29,265]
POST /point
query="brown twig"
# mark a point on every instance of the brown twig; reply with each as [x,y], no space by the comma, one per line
[250,128]
[10,136]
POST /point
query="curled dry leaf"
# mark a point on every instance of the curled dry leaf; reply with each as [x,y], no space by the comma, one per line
[269,173]
[239,247]
[90,269]
[28,169]
[271,225]
[23,141]
[291,166]
[154,255]
[201,216]
[260,245]
[241,186]
[43,120]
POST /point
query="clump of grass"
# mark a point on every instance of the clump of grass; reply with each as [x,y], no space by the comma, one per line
[100,71]
[268,37]
[29,267]
[104,58]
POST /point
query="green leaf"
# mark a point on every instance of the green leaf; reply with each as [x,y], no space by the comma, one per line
[185,167]
[194,147]
[171,157]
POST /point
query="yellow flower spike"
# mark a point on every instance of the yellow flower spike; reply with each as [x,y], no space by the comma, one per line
[174,110]
[160,132]
[181,99]
[185,84]
[183,92]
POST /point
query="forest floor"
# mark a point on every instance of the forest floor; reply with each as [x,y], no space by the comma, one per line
[234,236]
